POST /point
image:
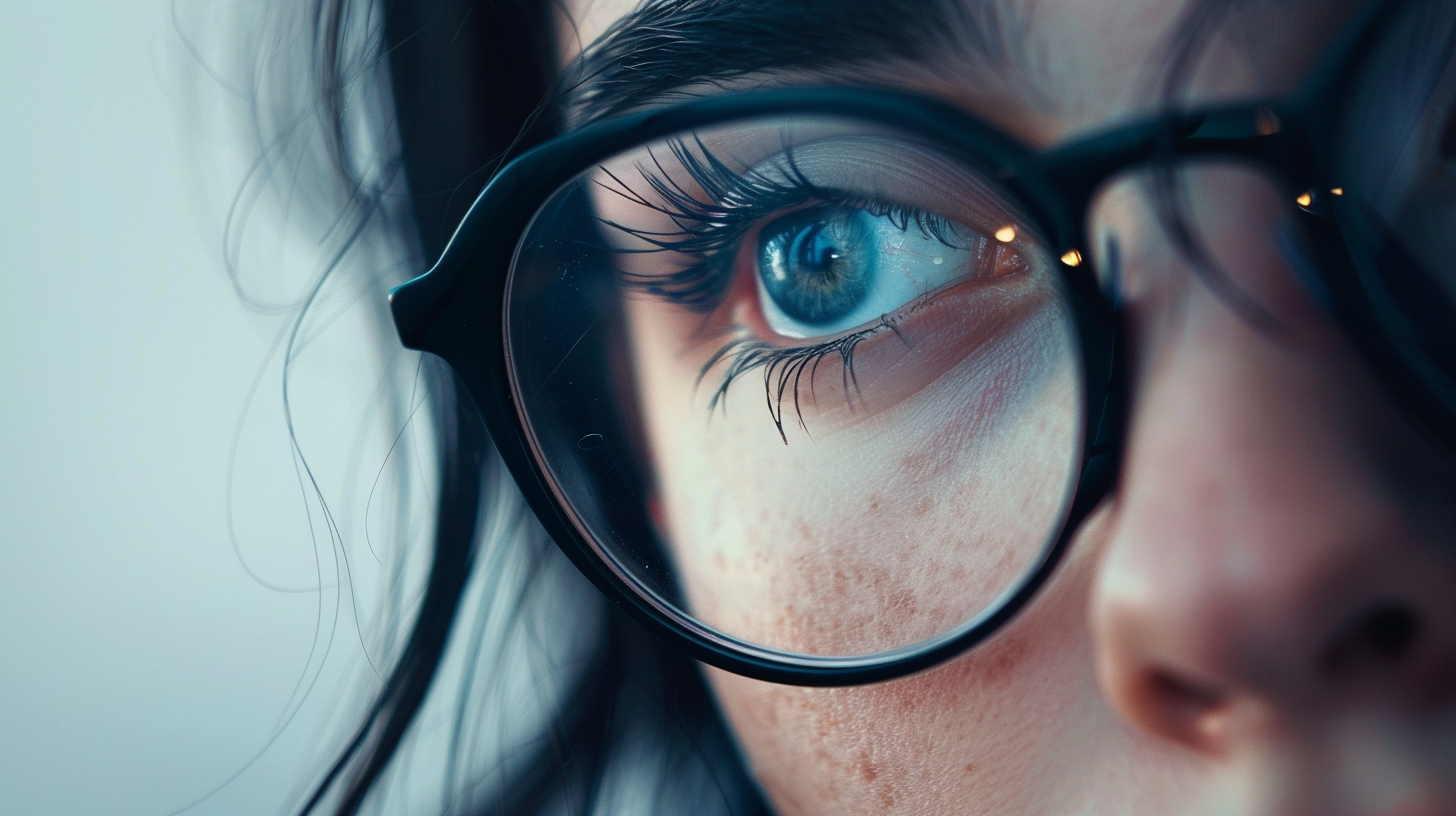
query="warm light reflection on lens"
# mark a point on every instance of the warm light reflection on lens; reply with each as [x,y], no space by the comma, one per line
[1006,234]
[1073,258]
[1266,122]
[1305,199]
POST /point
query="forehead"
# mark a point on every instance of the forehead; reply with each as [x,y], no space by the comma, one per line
[1054,66]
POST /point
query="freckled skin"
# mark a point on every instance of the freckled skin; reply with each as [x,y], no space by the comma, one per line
[975,736]
[1272,493]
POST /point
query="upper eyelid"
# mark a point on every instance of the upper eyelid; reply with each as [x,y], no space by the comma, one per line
[712,230]
[728,220]
[707,230]
[728,190]
[717,231]
[717,215]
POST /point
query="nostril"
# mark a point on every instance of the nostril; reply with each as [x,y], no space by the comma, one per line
[1186,710]
[1382,635]
[1181,693]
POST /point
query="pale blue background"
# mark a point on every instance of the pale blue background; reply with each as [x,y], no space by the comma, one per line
[140,665]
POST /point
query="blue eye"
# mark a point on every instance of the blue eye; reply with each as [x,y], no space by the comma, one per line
[831,269]
[818,265]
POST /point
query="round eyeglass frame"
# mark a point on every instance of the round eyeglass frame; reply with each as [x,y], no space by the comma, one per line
[457,309]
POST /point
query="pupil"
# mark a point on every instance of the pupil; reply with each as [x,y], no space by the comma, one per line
[817,266]
[818,253]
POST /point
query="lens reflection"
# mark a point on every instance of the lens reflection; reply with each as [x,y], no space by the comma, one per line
[830,379]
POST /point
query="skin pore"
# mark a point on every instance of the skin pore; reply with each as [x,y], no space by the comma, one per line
[1219,639]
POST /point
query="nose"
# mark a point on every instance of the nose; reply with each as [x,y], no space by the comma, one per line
[1279,548]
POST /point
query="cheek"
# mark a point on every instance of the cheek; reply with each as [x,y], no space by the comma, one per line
[880,522]
[1003,729]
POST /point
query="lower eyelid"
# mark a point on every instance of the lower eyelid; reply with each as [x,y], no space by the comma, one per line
[891,360]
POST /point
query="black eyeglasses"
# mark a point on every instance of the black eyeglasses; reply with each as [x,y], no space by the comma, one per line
[818,384]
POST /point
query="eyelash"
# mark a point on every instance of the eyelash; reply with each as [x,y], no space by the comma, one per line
[710,232]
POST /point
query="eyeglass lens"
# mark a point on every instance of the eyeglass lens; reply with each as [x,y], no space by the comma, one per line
[808,384]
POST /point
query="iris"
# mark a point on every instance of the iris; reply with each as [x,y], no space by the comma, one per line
[815,264]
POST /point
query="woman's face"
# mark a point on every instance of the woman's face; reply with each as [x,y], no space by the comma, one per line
[1260,619]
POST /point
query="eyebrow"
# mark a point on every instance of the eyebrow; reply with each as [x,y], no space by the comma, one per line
[669,46]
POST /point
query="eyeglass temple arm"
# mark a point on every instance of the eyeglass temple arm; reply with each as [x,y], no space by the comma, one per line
[1259,132]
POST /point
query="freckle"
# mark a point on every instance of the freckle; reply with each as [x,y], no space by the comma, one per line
[970,767]
[1001,663]
[804,530]
[907,704]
